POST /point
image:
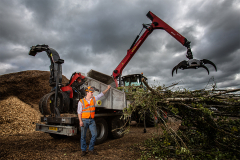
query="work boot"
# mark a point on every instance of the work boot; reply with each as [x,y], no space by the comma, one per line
[83,153]
[93,152]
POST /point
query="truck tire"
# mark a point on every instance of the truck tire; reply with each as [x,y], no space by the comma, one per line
[164,117]
[43,110]
[43,104]
[115,124]
[66,102]
[62,102]
[74,105]
[57,136]
[150,119]
[102,131]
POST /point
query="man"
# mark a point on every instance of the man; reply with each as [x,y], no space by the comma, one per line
[86,112]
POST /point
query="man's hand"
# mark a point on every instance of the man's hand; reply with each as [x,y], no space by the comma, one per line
[104,92]
[81,123]
[80,119]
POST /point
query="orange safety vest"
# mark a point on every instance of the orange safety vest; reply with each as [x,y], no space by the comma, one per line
[88,110]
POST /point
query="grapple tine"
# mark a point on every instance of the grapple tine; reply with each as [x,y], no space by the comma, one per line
[206,61]
[173,70]
[205,68]
[182,64]
[193,63]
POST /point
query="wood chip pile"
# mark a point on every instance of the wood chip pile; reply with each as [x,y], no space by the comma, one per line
[19,97]
[28,86]
[17,116]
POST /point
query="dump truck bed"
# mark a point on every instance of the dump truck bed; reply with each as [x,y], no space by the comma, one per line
[113,99]
[101,77]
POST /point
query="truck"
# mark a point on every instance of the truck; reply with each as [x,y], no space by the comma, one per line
[108,113]
[59,107]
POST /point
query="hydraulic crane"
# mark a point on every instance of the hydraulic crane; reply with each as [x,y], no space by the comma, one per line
[157,23]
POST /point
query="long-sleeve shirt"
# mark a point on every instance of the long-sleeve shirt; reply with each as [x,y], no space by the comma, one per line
[80,106]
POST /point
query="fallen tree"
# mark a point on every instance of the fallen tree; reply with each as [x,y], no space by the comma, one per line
[210,125]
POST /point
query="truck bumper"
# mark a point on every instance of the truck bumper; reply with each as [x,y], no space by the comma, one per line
[56,129]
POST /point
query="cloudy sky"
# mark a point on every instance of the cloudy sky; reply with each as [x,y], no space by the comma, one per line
[96,34]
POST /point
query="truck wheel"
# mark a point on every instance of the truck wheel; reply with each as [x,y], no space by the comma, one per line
[164,117]
[66,102]
[150,119]
[44,107]
[74,105]
[116,130]
[102,131]
[43,110]
[60,102]
[57,136]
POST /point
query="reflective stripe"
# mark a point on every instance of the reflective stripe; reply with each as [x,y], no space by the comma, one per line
[94,101]
[88,111]
[88,107]
[83,102]
[90,102]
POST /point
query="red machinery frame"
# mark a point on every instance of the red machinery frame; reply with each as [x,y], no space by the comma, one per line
[157,23]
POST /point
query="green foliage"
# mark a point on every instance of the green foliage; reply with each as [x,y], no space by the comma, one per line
[210,132]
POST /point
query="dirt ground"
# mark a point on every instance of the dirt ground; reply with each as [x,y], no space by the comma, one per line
[19,96]
[38,145]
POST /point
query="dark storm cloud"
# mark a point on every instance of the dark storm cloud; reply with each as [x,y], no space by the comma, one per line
[221,26]
[11,25]
[42,11]
[221,42]
[97,34]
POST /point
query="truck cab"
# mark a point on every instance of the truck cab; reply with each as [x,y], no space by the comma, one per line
[134,80]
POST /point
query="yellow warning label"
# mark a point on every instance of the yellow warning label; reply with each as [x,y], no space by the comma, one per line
[99,102]
[134,48]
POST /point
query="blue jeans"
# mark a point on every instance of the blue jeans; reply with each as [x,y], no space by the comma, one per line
[88,123]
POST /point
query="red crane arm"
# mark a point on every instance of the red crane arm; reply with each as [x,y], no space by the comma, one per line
[130,54]
[157,23]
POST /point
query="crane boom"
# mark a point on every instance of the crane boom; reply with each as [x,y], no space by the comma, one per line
[157,23]
[130,53]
